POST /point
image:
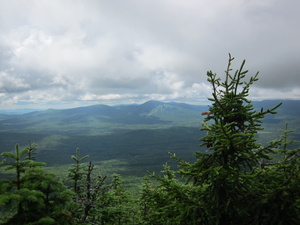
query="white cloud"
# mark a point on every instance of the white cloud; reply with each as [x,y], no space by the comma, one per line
[271,93]
[9,83]
[130,51]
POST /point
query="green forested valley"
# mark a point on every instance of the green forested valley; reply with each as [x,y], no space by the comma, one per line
[155,163]
[138,136]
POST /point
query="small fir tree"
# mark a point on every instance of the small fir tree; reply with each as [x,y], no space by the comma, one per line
[116,205]
[34,195]
[96,201]
[76,172]
[87,188]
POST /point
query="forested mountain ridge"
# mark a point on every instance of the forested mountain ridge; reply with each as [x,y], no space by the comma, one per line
[103,119]
[135,133]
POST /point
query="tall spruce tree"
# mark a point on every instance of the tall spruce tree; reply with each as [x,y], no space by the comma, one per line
[228,184]
[232,125]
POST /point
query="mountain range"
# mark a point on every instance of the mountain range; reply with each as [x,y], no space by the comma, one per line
[140,135]
[104,119]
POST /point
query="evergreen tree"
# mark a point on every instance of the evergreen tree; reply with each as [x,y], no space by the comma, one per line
[98,202]
[229,184]
[116,205]
[76,172]
[88,190]
[171,202]
[31,151]
[277,188]
[34,196]
[232,126]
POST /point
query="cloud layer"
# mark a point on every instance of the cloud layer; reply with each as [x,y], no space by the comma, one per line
[114,52]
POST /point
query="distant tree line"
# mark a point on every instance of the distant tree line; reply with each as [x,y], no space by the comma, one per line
[237,181]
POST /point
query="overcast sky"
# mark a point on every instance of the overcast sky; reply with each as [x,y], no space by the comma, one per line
[65,53]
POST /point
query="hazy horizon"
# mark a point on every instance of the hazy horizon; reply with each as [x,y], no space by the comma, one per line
[77,53]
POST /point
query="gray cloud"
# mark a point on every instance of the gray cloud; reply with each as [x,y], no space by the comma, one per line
[131,51]
[12,84]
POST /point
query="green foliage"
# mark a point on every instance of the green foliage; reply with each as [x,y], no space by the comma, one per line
[31,151]
[279,184]
[38,197]
[116,205]
[96,201]
[171,201]
[33,195]
[86,188]
[76,172]
[229,184]
[231,136]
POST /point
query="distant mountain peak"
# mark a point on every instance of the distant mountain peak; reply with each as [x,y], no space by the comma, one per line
[153,102]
